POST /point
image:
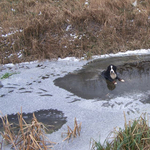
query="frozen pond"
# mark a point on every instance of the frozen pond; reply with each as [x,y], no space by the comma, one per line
[70,87]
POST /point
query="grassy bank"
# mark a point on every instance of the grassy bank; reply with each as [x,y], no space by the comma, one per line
[31,29]
[134,136]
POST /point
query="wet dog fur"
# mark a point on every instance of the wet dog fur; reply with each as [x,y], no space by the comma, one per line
[111,74]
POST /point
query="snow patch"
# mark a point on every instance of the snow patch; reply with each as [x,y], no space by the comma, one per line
[127,53]
[11,33]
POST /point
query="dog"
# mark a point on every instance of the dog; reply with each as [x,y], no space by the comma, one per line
[111,74]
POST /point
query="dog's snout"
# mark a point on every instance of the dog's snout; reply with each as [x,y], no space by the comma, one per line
[111,71]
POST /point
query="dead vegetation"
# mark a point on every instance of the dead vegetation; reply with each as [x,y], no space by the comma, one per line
[46,29]
[73,133]
[28,136]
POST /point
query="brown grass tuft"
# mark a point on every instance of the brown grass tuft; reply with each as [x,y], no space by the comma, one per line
[29,136]
[73,133]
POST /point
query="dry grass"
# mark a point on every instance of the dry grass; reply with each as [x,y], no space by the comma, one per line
[73,133]
[29,136]
[100,27]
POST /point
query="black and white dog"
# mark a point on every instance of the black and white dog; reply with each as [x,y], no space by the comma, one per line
[111,74]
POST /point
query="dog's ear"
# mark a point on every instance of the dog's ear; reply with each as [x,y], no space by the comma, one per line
[108,68]
[115,68]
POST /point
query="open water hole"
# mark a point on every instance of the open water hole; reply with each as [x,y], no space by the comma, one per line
[88,83]
[53,119]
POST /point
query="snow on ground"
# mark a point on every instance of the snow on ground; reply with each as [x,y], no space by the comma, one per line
[32,80]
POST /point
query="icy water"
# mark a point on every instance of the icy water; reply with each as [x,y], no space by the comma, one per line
[52,119]
[89,84]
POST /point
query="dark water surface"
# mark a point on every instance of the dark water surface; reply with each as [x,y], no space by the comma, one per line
[52,119]
[89,84]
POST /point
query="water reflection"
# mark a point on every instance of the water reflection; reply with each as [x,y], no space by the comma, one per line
[89,84]
[110,85]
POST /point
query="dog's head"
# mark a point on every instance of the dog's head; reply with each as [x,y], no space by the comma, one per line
[112,71]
